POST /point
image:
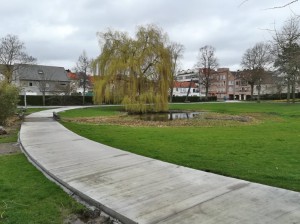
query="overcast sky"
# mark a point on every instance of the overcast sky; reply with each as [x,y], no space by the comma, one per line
[57,31]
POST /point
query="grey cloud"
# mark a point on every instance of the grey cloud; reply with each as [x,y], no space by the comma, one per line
[57,31]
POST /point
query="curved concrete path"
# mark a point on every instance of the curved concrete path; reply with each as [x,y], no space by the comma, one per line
[137,189]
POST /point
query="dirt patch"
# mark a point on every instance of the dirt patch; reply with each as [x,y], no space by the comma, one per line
[90,217]
[9,148]
[203,120]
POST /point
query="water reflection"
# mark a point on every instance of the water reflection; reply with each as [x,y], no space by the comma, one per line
[168,116]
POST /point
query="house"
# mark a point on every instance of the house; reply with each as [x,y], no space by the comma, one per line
[182,88]
[229,85]
[226,84]
[41,79]
[183,80]
[77,81]
[188,75]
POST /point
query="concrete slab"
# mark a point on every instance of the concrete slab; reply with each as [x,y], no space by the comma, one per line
[136,189]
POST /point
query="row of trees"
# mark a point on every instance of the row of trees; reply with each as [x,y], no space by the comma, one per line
[281,56]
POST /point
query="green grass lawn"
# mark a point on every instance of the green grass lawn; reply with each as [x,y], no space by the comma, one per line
[92,112]
[266,152]
[27,196]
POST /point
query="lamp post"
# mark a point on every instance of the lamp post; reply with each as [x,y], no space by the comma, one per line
[25,100]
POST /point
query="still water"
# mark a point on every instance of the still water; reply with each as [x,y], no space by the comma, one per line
[168,116]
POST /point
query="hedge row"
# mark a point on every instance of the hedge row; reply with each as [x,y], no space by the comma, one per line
[77,100]
[55,100]
[181,99]
[275,96]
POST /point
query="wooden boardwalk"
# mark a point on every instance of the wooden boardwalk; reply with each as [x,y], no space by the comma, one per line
[137,189]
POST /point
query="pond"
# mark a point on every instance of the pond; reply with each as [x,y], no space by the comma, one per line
[168,116]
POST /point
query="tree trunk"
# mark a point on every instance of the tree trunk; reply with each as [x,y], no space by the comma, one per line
[84,87]
[83,95]
[44,99]
[252,89]
[288,90]
[206,92]
[293,91]
[188,93]
[258,93]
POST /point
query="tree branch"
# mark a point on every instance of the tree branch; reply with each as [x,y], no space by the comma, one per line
[282,6]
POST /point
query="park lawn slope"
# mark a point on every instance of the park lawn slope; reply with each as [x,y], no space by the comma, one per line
[266,152]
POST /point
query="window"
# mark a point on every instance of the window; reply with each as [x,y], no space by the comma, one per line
[30,84]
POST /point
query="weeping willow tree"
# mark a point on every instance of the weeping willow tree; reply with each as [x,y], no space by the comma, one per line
[134,71]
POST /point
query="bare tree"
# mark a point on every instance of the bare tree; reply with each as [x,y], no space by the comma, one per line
[283,5]
[43,83]
[13,55]
[255,62]
[83,65]
[280,83]
[207,62]
[287,51]
[286,4]
[176,50]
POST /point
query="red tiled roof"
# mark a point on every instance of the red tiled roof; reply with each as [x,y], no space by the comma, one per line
[72,75]
[184,84]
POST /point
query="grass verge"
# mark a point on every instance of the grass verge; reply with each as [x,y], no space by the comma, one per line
[27,196]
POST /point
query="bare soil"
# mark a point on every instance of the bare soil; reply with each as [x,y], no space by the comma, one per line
[90,217]
[9,148]
[204,120]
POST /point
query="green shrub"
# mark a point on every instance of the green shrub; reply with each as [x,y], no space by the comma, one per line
[9,97]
